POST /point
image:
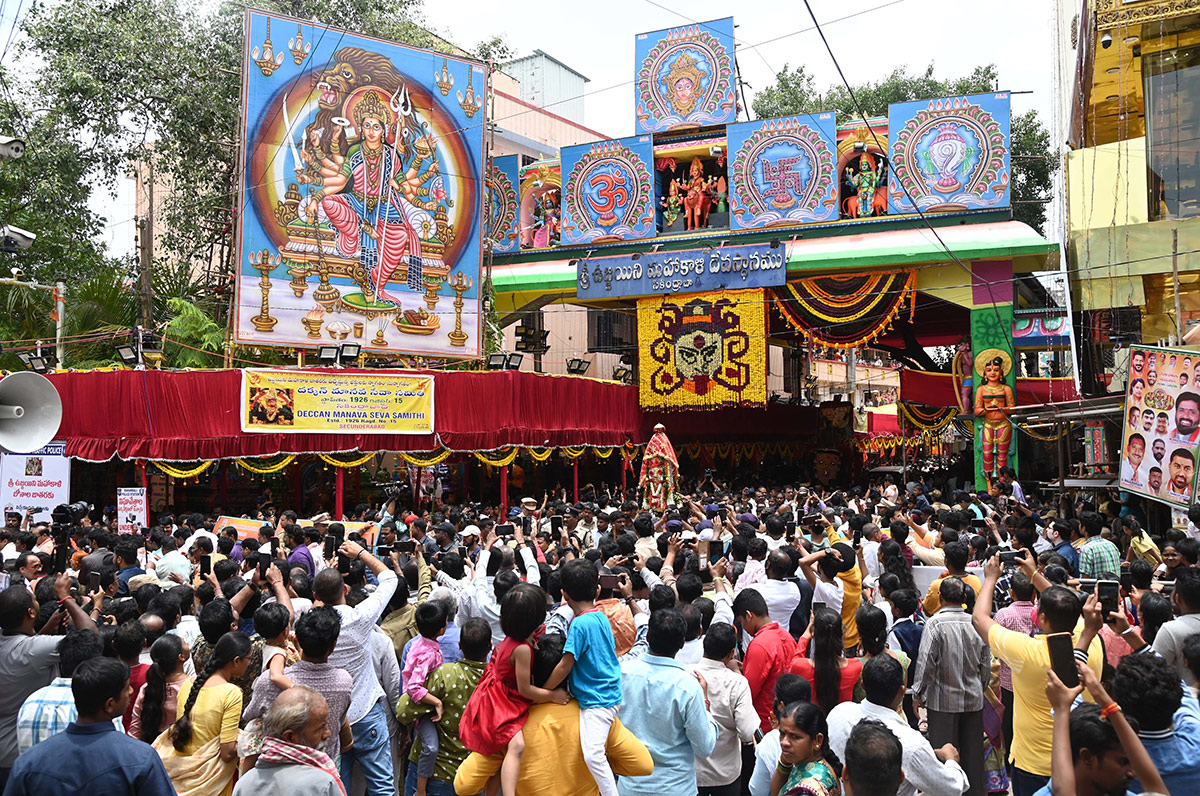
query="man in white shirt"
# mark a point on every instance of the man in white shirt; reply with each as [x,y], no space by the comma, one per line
[870,550]
[1135,451]
[934,772]
[485,597]
[367,714]
[821,569]
[782,596]
[730,706]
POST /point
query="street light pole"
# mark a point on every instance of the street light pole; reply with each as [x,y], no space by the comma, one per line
[60,312]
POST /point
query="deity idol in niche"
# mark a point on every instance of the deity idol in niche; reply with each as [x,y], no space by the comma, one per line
[866,183]
[993,401]
[546,220]
[672,204]
[365,203]
[698,202]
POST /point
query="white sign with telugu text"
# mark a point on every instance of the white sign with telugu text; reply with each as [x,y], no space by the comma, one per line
[132,510]
[40,480]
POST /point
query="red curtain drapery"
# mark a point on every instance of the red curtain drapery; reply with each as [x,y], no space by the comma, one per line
[194,415]
[937,389]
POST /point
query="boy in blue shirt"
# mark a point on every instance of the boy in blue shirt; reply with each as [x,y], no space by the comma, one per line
[590,661]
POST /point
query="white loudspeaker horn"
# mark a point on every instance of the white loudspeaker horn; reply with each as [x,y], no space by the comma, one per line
[30,412]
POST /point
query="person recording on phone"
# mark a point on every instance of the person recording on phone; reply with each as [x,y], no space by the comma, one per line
[1059,609]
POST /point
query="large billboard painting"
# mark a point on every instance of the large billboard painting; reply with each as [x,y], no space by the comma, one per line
[361,207]
[949,154]
[686,77]
[608,192]
[1161,425]
[783,171]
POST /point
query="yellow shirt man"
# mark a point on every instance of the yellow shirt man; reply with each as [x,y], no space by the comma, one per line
[553,761]
[1033,723]
[851,599]
[933,597]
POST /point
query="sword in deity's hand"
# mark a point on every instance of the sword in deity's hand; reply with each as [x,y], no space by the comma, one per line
[287,132]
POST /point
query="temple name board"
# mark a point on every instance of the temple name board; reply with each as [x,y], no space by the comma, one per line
[686,271]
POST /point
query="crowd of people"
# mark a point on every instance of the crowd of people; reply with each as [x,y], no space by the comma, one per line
[888,639]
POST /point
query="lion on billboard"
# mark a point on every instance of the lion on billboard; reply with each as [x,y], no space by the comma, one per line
[353,68]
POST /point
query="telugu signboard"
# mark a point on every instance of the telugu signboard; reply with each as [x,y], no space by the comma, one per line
[1161,425]
[40,480]
[132,509]
[686,271]
[282,401]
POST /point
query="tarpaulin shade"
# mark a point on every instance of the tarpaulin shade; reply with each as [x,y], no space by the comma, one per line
[937,389]
[193,415]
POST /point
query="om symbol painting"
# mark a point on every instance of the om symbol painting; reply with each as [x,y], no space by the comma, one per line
[361,200]
[685,77]
[703,350]
[950,154]
[500,205]
[608,192]
[782,171]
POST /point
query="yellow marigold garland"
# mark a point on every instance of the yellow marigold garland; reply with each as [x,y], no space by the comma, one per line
[266,469]
[345,465]
[175,472]
[504,460]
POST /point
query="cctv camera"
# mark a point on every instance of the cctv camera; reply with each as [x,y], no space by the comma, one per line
[17,273]
[11,148]
[1106,41]
[16,238]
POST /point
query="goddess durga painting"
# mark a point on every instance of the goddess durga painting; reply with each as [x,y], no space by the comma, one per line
[364,195]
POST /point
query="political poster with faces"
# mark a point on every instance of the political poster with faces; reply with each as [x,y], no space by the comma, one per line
[1160,438]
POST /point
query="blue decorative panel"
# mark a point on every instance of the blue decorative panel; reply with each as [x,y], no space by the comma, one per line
[686,77]
[500,203]
[608,191]
[949,154]
[781,171]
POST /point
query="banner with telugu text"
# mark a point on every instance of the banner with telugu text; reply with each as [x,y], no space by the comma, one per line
[281,401]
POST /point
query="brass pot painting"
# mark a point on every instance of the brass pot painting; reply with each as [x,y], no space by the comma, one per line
[362,194]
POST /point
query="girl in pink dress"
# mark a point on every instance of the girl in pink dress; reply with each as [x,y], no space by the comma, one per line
[497,710]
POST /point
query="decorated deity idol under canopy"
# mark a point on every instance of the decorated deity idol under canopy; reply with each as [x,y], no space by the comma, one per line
[660,472]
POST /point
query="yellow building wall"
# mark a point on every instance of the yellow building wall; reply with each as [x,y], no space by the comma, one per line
[1106,185]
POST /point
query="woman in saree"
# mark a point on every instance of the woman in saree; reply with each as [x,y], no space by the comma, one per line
[807,766]
[200,749]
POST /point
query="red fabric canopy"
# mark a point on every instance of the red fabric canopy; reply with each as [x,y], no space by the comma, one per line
[194,415]
[881,424]
[937,389]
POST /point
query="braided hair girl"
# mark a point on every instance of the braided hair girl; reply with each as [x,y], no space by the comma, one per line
[166,671]
[229,660]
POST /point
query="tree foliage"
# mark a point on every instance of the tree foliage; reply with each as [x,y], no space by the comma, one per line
[1033,162]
